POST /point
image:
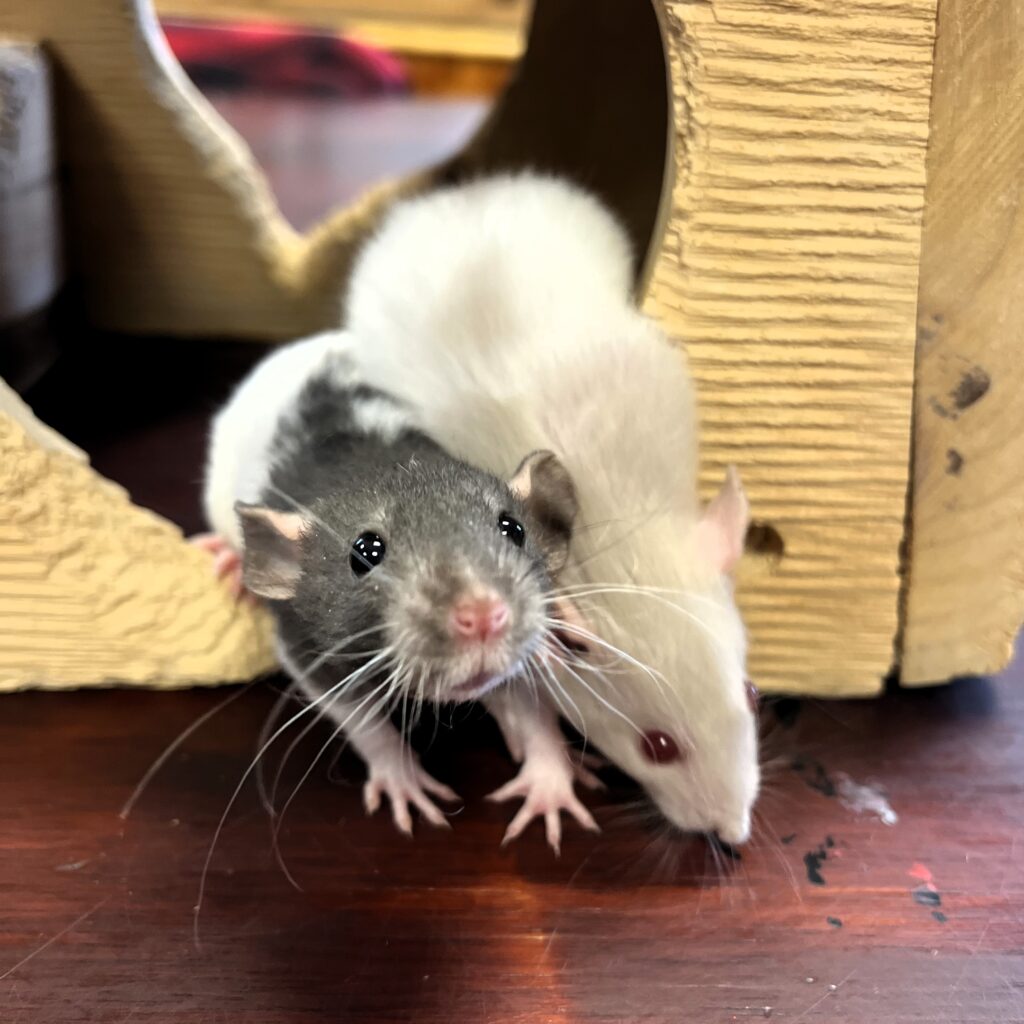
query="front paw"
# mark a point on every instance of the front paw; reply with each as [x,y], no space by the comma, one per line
[546,789]
[405,783]
[227,564]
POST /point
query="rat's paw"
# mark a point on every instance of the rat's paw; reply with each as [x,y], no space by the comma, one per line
[227,563]
[404,782]
[546,790]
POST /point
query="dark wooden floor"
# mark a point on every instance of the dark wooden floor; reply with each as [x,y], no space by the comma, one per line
[828,917]
[626,926]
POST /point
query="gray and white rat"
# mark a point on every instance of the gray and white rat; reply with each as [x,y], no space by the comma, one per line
[502,310]
[395,572]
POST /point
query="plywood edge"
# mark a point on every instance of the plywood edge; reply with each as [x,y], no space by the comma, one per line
[97,591]
[965,594]
[12,405]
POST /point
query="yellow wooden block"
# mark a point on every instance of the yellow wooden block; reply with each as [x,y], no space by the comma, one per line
[769,163]
[95,590]
[789,269]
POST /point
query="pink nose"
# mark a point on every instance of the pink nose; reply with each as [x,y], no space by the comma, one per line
[478,617]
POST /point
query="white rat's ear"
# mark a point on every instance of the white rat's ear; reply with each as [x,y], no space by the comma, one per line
[272,552]
[723,526]
[544,486]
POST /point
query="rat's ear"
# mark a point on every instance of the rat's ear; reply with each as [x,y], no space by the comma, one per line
[272,552]
[723,526]
[544,486]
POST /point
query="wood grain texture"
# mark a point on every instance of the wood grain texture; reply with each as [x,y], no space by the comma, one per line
[965,599]
[789,269]
[447,928]
[95,590]
[30,244]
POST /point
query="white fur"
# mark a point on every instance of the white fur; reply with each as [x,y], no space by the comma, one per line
[240,452]
[502,311]
[380,416]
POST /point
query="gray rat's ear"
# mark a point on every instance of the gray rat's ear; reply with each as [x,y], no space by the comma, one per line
[272,550]
[544,486]
[723,526]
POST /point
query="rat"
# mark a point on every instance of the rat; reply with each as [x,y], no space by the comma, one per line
[502,308]
[395,573]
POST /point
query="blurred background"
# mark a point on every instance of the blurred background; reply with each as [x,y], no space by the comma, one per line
[335,97]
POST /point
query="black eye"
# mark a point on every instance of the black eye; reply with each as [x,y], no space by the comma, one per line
[367,551]
[511,528]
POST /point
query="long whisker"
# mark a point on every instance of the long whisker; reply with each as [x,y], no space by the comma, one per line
[339,730]
[551,683]
[248,771]
[267,799]
[654,596]
[270,801]
[611,707]
[657,677]
[308,513]
[174,745]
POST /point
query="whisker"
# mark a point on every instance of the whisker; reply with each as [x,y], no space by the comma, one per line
[611,707]
[339,730]
[267,799]
[550,679]
[248,771]
[174,745]
[654,675]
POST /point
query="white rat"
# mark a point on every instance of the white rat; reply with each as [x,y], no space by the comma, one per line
[502,310]
[395,573]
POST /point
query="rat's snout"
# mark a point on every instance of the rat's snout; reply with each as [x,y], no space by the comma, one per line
[737,832]
[479,616]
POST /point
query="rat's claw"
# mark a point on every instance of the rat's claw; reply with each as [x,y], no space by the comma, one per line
[553,829]
[513,788]
[402,817]
[523,817]
[546,790]
[431,785]
[371,797]
[404,785]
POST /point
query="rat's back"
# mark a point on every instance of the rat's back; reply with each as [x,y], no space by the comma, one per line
[503,311]
[500,255]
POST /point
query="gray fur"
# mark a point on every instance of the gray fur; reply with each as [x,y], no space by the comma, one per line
[439,518]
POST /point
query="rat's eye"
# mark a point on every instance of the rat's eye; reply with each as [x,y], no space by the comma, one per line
[659,748]
[511,528]
[367,551]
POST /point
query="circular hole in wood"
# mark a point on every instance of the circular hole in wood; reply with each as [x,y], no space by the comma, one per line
[765,541]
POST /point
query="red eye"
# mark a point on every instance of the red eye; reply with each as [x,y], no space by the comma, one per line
[752,695]
[659,748]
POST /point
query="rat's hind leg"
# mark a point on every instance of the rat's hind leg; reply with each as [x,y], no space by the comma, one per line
[545,780]
[227,563]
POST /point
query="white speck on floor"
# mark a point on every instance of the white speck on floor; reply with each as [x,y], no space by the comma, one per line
[864,799]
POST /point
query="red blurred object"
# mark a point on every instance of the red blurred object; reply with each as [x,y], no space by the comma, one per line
[282,58]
